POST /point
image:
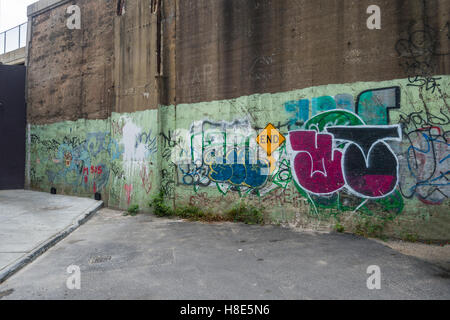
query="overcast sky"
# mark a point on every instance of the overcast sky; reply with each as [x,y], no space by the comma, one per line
[13,13]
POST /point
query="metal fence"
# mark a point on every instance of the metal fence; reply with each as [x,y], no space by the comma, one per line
[14,38]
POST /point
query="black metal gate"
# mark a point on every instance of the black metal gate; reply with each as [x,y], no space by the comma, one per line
[12,127]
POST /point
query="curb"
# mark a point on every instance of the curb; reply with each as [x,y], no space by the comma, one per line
[47,244]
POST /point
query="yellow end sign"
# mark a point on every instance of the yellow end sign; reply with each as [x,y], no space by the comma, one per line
[270,139]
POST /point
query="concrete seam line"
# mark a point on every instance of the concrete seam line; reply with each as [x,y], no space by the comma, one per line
[44,246]
[39,11]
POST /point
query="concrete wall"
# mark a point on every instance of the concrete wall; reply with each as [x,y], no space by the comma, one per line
[172,98]
[227,49]
[70,72]
[317,177]
[15,57]
[116,157]
[135,58]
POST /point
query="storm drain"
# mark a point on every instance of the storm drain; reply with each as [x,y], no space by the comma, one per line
[99,259]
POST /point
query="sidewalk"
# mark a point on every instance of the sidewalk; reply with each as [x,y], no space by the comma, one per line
[31,222]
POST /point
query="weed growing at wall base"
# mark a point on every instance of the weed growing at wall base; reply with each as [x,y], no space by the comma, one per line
[241,213]
[194,213]
[159,207]
[370,228]
[133,210]
[409,237]
[339,228]
[246,213]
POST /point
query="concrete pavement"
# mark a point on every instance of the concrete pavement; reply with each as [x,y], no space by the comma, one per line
[31,222]
[145,257]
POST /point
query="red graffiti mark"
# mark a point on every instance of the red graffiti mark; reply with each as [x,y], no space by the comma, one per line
[317,166]
[429,202]
[373,185]
[128,189]
[380,185]
[438,129]
[146,179]
[94,170]
[68,158]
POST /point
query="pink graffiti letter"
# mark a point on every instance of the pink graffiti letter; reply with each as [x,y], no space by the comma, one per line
[317,167]
[128,190]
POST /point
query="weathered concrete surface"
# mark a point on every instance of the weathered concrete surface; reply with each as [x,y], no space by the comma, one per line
[227,49]
[145,257]
[215,50]
[135,58]
[70,72]
[43,5]
[31,222]
[14,57]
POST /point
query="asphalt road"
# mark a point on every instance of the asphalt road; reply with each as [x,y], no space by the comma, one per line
[145,257]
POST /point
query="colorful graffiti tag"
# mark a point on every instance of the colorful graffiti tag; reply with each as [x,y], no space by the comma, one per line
[425,168]
[81,164]
[371,105]
[225,155]
[355,157]
[338,154]
[342,153]
[358,153]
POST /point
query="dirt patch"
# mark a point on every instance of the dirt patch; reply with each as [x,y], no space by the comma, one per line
[436,254]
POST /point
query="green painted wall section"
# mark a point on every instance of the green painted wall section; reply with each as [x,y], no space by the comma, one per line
[73,157]
[131,157]
[116,157]
[134,178]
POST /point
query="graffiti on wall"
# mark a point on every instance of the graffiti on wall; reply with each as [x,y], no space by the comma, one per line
[133,174]
[425,169]
[226,155]
[372,106]
[326,159]
[340,152]
[116,157]
[427,158]
[418,52]
[81,164]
